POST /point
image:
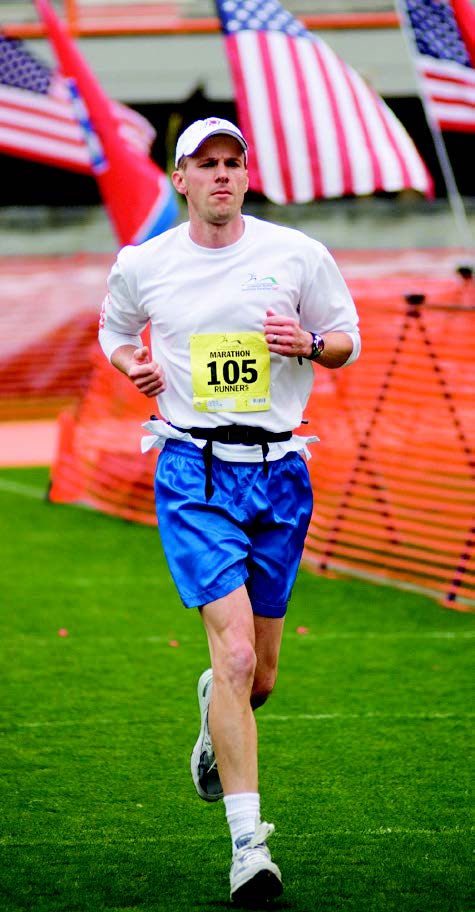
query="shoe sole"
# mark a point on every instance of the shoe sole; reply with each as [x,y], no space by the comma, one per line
[196,752]
[263,888]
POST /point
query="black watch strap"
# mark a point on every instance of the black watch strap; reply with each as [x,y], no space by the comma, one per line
[318,346]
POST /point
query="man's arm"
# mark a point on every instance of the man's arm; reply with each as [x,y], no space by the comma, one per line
[120,324]
[285,336]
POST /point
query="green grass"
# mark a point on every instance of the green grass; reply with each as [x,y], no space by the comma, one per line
[364,744]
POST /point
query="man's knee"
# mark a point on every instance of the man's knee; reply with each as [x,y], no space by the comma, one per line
[262,688]
[238,665]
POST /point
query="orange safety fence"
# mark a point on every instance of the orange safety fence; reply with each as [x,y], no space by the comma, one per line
[393,474]
[48,323]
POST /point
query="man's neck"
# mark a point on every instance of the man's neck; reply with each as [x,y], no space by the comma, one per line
[215,236]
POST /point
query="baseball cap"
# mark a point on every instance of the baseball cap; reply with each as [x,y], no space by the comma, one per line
[197,132]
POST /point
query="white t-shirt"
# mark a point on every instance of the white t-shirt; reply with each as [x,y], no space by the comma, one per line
[187,292]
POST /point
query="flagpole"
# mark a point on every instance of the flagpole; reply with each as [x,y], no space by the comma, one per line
[453,194]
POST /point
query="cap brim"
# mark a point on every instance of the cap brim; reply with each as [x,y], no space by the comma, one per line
[242,142]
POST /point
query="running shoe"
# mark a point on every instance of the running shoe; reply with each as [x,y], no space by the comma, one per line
[204,771]
[255,879]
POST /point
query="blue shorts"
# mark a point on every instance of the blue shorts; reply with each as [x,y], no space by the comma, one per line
[251,532]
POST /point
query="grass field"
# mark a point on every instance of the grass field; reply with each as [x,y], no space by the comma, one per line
[364,745]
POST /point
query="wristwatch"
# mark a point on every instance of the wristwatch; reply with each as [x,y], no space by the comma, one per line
[318,346]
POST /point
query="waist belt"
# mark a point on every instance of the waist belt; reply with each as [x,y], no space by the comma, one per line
[233,433]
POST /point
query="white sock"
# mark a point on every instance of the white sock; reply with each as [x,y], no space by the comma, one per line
[243,813]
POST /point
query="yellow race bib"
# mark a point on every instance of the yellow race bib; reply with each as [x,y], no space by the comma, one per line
[230,372]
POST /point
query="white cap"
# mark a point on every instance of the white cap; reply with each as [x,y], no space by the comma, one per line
[197,132]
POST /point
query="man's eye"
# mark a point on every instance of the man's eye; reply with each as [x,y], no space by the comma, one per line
[210,163]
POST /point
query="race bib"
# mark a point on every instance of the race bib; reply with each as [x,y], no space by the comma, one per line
[230,372]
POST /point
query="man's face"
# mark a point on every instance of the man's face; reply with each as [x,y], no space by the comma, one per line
[214,180]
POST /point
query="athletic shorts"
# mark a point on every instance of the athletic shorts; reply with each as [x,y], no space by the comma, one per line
[252,530]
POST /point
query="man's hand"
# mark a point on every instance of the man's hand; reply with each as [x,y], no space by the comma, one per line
[285,336]
[147,375]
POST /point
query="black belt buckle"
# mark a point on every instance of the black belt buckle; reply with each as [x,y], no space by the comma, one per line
[248,438]
[238,434]
[229,437]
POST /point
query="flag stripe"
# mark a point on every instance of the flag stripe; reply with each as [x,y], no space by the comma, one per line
[58,111]
[311,136]
[386,162]
[403,164]
[323,123]
[342,145]
[28,119]
[299,172]
[375,178]
[264,149]
[276,113]
[245,117]
[13,142]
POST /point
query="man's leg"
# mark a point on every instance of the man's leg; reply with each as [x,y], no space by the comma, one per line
[233,636]
[244,651]
[229,625]
[268,639]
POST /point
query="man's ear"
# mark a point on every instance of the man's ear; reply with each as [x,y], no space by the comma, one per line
[179,182]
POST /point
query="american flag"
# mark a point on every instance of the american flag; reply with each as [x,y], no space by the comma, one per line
[42,116]
[315,128]
[435,30]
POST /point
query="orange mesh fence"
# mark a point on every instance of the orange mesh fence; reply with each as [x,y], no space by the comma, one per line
[48,323]
[98,460]
[393,474]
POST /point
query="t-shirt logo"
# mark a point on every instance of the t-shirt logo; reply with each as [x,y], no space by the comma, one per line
[253,283]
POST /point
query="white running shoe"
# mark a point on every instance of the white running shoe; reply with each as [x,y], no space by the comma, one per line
[255,879]
[204,771]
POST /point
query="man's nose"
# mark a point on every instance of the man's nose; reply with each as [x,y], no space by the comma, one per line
[221,172]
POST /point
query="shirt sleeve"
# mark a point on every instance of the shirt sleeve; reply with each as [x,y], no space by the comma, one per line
[121,320]
[326,304]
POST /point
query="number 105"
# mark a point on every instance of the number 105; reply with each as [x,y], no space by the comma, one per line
[232,373]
